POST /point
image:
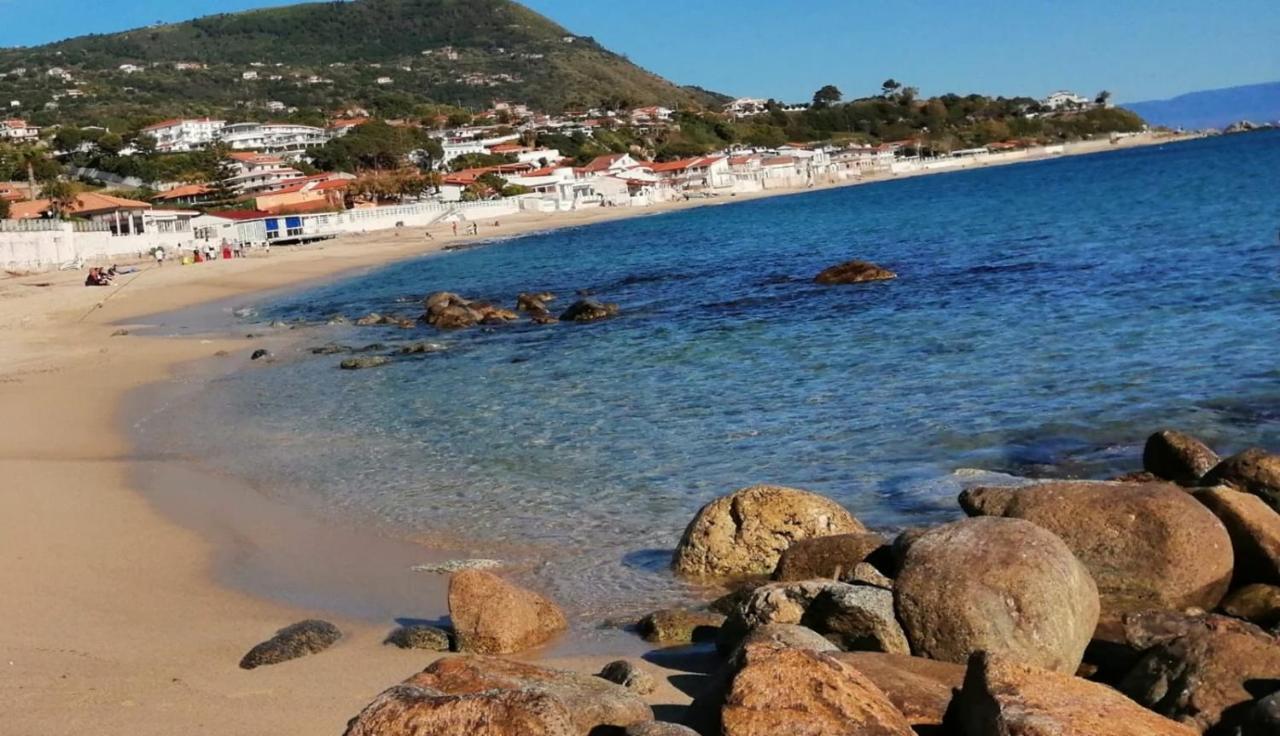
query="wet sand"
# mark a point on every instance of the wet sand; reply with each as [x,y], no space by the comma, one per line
[119,620]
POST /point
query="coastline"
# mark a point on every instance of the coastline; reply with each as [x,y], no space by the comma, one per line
[119,623]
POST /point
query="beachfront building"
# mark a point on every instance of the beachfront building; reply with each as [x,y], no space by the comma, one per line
[701,173]
[118,215]
[316,193]
[469,141]
[257,173]
[18,130]
[283,138]
[184,134]
[1065,100]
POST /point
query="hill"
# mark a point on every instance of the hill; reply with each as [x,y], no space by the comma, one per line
[385,55]
[1214,108]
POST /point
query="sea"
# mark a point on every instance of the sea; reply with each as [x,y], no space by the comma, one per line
[1047,318]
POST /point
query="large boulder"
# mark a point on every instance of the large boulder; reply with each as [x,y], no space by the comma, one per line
[837,557]
[1254,470]
[405,710]
[1147,545]
[493,616]
[1178,457]
[854,617]
[293,641]
[921,688]
[1208,677]
[854,272]
[591,701]
[588,310]
[745,532]
[1254,528]
[799,691]
[1257,603]
[788,636]
[1004,698]
[1004,586]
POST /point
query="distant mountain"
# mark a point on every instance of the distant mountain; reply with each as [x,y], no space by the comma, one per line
[387,55]
[1214,108]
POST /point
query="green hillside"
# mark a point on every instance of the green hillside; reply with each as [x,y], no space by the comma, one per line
[327,56]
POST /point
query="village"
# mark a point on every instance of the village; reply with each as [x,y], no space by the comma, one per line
[269,192]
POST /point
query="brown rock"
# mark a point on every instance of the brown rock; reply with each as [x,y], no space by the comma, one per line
[745,532]
[1207,678]
[493,616]
[834,556]
[453,318]
[405,710]
[1257,603]
[986,500]
[659,728]
[1137,476]
[680,626]
[1178,457]
[1149,545]
[293,641]
[1254,528]
[628,675]
[856,617]
[1148,629]
[920,688]
[797,691]
[854,272]
[1254,471]
[590,701]
[788,636]
[537,302]
[1002,698]
[1004,586]
[588,310]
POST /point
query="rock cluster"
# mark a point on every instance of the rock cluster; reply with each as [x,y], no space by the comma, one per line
[854,272]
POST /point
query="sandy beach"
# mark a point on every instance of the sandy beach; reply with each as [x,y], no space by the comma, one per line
[115,622]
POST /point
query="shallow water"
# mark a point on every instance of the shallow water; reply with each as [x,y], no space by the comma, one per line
[1047,318]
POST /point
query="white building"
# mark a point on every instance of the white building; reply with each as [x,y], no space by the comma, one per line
[130,68]
[746,107]
[383,80]
[250,75]
[184,134]
[258,173]
[18,130]
[650,115]
[1065,100]
[272,137]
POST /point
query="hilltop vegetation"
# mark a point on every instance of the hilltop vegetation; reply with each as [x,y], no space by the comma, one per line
[327,56]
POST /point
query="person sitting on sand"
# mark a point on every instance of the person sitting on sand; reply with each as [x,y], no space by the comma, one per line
[96,277]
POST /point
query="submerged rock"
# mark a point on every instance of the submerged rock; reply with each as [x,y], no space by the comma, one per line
[1178,457]
[369,320]
[420,636]
[293,641]
[854,272]
[493,616]
[1004,586]
[588,310]
[330,349]
[745,532]
[534,302]
[364,361]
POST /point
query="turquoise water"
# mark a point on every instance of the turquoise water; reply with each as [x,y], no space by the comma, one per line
[1047,318]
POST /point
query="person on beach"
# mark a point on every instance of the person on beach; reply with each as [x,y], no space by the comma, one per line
[159,255]
[455,228]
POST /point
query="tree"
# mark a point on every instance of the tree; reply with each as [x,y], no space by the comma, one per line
[890,87]
[827,96]
[4,209]
[61,195]
[110,144]
[222,192]
[1103,98]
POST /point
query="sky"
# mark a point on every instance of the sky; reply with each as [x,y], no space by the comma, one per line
[1137,49]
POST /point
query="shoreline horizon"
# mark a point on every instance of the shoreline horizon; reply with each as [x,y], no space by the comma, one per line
[54,345]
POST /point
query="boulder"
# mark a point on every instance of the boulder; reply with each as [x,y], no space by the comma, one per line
[799,691]
[533,302]
[493,616]
[854,617]
[442,299]
[854,272]
[259,354]
[659,728]
[624,673]
[1148,629]
[1004,586]
[1004,698]
[1207,678]
[920,688]
[590,701]
[405,710]
[364,361]
[679,626]
[1137,476]
[293,641]
[369,320]
[745,532]
[986,500]
[1254,528]
[420,636]
[1257,603]
[588,310]
[1264,717]
[788,636]
[1253,471]
[1178,457]
[834,556]
[453,318]
[1149,545]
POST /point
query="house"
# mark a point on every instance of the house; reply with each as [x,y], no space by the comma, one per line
[383,80]
[275,106]
[651,115]
[320,192]
[1065,100]
[614,163]
[272,137]
[14,191]
[121,216]
[184,134]
[249,75]
[187,194]
[18,130]
[746,107]
[130,68]
[701,172]
[257,173]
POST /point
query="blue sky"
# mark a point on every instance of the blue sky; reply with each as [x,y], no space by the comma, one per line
[1139,49]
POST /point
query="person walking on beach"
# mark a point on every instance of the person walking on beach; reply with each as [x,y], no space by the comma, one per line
[455,228]
[159,255]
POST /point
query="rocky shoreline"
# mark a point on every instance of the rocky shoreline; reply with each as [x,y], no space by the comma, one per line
[1143,606]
